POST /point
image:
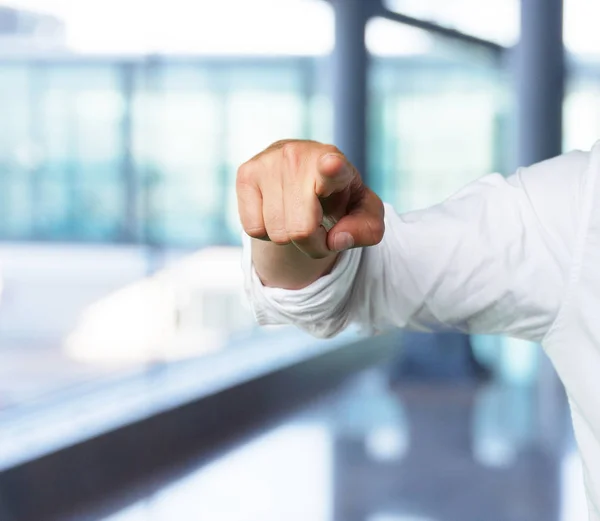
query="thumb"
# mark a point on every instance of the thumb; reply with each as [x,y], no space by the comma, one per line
[362,226]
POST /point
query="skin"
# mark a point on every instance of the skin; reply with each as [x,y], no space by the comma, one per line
[283,194]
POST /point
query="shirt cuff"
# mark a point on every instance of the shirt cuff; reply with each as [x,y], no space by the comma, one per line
[320,308]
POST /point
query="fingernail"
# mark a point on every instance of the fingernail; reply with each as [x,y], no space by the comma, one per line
[342,241]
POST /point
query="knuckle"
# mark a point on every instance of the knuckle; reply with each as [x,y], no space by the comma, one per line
[291,153]
[301,234]
[256,232]
[244,174]
[279,236]
[280,240]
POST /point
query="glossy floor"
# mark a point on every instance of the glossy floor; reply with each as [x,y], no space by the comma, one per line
[375,452]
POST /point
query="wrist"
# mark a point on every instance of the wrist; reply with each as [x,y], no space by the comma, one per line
[286,267]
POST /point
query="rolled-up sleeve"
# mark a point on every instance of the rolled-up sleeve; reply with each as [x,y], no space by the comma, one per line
[322,309]
[494,258]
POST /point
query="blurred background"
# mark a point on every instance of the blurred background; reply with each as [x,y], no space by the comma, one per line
[122,124]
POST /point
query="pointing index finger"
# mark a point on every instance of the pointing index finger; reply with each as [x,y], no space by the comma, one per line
[334,174]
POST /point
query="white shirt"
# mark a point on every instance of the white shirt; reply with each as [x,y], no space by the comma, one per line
[503,255]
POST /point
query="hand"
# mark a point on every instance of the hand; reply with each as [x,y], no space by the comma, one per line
[285,193]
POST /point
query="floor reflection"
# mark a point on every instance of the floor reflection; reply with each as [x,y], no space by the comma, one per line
[441,476]
[416,452]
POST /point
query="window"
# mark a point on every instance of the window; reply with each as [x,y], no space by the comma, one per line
[120,253]
[431,94]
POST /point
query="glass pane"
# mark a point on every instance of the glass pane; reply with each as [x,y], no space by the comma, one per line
[496,20]
[194,125]
[80,115]
[19,152]
[441,97]
[177,135]
[258,119]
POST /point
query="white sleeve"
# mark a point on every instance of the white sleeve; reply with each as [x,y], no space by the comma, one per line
[493,258]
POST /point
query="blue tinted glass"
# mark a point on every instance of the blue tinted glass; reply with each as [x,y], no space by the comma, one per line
[436,121]
[177,120]
[19,152]
[194,125]
[145,151]
[81,113]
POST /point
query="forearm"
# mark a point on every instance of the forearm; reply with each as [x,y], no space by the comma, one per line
[286,266]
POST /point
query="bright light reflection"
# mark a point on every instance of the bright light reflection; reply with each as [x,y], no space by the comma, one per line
[573,501]
[581,26]
[261,480]
[386,443]
[494,451]
[303,27]
[386,38]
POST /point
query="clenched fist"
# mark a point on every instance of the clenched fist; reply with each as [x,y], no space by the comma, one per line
[308,195]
